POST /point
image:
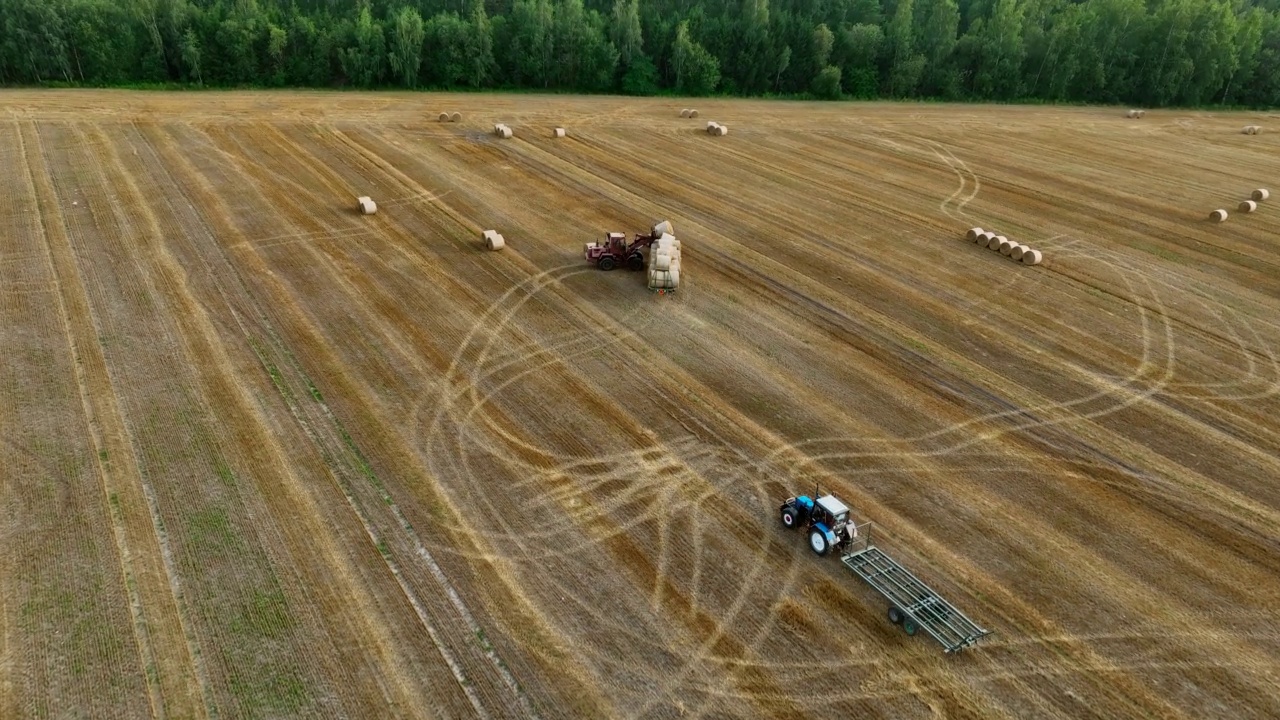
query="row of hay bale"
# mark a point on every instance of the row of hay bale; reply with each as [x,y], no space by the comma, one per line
[664,258]
[688,113]
[450,117]
[493,239]
[365,205]
[1246,206]
[1003,245]
[1136,114]
[502,131]
[1252,129]
[715,128]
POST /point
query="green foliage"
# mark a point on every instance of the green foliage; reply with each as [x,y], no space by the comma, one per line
[1140,52]
[697,71]
[827,83]
[407,34]
[641,77]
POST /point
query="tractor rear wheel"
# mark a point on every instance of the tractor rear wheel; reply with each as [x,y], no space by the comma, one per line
[818,541]
[789,517]
[607,262]
[896,616]
[635,262]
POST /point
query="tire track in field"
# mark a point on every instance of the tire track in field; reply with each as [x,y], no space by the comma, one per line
[181,683]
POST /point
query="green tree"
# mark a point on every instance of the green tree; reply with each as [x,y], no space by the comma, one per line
[479,46]
[905,64]
[826,84]
[697,71]
[190,49]
[823,43]
[936,37]
[407,35]
[362,59]
[625,32]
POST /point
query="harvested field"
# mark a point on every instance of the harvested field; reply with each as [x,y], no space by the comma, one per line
[267,456]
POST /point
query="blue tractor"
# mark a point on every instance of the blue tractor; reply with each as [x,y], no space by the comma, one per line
[826,518]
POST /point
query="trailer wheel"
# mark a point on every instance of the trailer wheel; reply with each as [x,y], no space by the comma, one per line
[909,625]
[818,542]
[789,518]
[895,615]
[607,263]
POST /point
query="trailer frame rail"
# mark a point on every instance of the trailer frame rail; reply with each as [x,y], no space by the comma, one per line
[916,604]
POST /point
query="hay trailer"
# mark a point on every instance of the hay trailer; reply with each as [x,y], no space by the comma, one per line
[912,604]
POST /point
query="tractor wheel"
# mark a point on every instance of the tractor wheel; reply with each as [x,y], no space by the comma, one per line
[910,626]
[607,263]
[635,262]
[895,616]
[818,542]
[789,517]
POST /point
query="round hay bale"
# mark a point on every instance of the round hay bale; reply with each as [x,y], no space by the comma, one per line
[1007,247]
[486,234]
[496,242]
[1142,113]
[1261,194]
[664,228]
[1248,206]
[1257,129]
[456,117]
[712,125]
[505,133]
[559,132]
[693,113]
[1017,252]
[684,113]
[994,242]
[366,205]
[661,261]
[973,234]
[1218,215]
[673,277]
[1131,114]
[722,130]
[1031,257]
[444,117]
[1248,130]
[984,237]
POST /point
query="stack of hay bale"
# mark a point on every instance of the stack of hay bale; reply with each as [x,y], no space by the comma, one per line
[493,240]
[664,259]
[502,131]
[688,113]
[1252,129]
[1003,245]
[715,128]
[366,205]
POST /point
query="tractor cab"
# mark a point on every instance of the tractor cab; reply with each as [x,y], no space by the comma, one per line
[831,511]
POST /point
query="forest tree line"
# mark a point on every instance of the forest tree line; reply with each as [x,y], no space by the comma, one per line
[1149,52]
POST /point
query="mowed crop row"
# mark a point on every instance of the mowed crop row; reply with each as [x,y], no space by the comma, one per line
[272,457]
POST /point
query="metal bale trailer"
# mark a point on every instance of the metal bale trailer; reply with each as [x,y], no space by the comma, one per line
[912,603]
